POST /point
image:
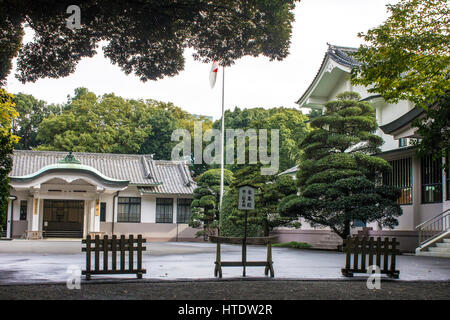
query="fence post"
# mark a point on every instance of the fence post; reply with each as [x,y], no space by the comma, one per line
[131,255]
[88,257]
[371,251]
[139,256]
[386,254]
[114,252]
[122,252]
[355,253]
[97,253]
[105,252]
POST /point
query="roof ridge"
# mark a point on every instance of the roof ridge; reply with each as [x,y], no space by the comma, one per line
[51,152]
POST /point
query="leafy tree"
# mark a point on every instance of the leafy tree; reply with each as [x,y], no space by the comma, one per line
[290,123]
[147,37]
[407,57]
[269,191]
[96,124]
[338,176]
[7,114]
[205,206]
[434,129]
[31,113]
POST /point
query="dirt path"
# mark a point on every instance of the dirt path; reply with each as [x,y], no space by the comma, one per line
[232,290]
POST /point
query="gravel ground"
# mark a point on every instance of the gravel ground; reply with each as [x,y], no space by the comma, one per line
[253,289]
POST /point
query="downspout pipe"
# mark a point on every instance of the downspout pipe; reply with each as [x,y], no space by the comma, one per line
[12,198]
[114,212]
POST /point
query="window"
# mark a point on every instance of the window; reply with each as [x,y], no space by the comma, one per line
[23,209]
[102,211]
[402,142]
[431,172]
[183,210]
[164,210]
[401,176]
[129,209]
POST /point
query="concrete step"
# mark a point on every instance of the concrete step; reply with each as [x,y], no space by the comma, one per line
[447,240]
[327,242]
[439,249]
[443,245]
[433,254]
[325,246]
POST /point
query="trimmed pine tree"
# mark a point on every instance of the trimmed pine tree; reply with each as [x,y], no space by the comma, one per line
[339,178]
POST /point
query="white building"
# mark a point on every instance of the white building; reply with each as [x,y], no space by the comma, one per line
[55,194]
[425,186]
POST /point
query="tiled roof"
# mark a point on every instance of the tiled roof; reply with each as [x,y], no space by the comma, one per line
[340,55]
[405,119]
[171,177]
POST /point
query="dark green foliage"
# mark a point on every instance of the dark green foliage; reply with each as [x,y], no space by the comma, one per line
[7,115]
[434,129]
[338,176]
[205,206]
[293,244]
[31,113]
[291,124]
[145,37]
[265,217]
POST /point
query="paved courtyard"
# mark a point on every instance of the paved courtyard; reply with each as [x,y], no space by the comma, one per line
[24,261]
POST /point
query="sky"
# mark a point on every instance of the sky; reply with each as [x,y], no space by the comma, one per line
[250,82]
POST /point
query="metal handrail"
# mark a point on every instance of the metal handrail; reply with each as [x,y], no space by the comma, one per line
[440,214]
[434,227]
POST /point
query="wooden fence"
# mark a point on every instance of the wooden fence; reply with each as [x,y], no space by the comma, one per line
[111,255]
[368,252]
[268,263]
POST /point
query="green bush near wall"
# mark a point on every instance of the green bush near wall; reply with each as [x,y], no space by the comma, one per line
[230,227]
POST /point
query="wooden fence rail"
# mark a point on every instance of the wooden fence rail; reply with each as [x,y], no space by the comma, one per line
[268,263]
[368,252]
[110,249]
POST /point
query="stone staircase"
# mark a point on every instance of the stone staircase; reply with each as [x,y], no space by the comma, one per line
[438,249]
[328,242]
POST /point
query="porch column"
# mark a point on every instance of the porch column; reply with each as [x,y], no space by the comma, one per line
[9,217]
[175,208]
[94,215]
[36,215]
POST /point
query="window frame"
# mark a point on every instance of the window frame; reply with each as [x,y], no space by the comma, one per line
[431,177]
[164,217]
[23,215]
[186,217]
[401,176]
[102,211]
[128,202]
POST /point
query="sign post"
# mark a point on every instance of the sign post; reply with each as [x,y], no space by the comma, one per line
[246,202]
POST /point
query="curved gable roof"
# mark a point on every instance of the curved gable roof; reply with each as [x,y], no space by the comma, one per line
[341,57]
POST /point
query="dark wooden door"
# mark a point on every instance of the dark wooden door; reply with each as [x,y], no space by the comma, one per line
[63,215]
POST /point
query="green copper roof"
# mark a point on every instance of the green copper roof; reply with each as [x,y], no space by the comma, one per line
[70,165]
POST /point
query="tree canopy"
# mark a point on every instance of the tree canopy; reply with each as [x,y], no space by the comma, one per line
[338,176]
[205,206]
[407,57]
[7,139]
[291,124]
[144,37]
[269,190]
[31,113]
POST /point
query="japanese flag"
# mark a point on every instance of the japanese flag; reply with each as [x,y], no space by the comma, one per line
[213,73]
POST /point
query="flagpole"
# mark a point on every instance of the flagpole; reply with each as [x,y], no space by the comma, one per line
[223,138]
